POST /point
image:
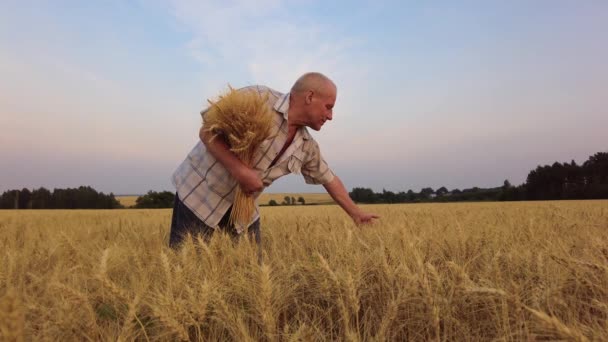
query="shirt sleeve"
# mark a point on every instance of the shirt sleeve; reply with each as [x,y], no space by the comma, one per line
[315,170]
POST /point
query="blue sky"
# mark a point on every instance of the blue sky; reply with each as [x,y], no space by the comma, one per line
[430,93]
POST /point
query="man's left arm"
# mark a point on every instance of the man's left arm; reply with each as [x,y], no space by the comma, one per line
[316,171]
[335,188]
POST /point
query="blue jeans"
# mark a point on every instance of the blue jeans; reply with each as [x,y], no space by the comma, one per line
[185,222]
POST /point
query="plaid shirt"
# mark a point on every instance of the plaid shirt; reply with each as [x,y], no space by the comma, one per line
[206,187]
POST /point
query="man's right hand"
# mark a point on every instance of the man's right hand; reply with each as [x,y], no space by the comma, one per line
[249,180]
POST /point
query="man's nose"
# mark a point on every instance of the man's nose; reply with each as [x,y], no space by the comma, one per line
[330,115]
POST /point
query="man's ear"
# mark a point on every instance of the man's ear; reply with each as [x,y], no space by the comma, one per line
[308,98]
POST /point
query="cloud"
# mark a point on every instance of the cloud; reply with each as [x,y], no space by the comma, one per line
[263,42]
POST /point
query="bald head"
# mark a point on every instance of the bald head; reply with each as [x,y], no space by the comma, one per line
[311,101]
[315,81]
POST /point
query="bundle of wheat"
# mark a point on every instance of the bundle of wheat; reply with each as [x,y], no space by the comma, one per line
[244,119]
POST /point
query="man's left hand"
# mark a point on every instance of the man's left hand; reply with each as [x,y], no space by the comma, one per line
[364,218]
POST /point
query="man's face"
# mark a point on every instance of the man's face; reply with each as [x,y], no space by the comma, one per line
[321,107]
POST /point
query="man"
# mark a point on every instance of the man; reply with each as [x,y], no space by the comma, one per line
[207,179]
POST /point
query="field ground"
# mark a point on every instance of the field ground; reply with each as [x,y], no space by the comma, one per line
[441,272]
[309,198]
[127,201]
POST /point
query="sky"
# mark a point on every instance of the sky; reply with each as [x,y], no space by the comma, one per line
[430,93]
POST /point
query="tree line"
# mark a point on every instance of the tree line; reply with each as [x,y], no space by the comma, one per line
[83,197]
[550,182]
[288,200]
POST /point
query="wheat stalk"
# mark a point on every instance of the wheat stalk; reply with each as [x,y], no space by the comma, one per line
[12,317]
[244,119]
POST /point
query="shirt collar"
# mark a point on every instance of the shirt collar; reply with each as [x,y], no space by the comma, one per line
[282,106]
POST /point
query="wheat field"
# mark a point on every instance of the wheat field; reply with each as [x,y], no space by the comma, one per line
[127,201]
[427,272]
[309,198]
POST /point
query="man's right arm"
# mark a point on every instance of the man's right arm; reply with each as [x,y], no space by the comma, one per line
[247,177]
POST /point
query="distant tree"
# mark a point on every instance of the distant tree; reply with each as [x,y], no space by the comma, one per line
[273,203]
[41,198]
[293,201]
[596,168]
[24,199]
[363,195]
[155,199]
[401,197]
[388,196]
[595,171]
[10,200]
[545,182]
[441,191]
[301,200]
[113,203]
[574,186]
[287,200]
[87,197]
[83,197]
[426,193]
[568,180]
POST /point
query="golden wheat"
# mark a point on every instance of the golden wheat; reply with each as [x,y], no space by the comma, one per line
[244,119]
[477,272]
[127,201]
